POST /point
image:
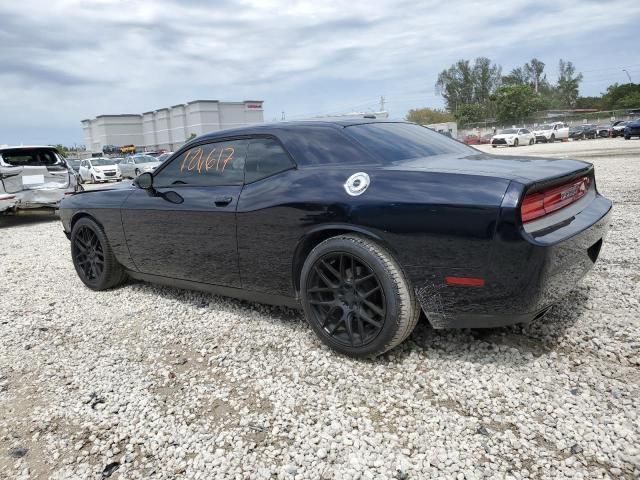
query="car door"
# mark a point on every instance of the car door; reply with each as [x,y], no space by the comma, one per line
[83,170]
[125,167]
[185,227]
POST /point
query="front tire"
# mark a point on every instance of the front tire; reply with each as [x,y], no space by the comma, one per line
[93,258]
[356,297]
[93,179]
[532,141]
[553,138]
[515,142]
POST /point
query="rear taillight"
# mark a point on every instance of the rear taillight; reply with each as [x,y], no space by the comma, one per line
[539,204]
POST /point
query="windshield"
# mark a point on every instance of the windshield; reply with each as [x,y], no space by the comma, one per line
[145,159]
[401,141]
[30,157]
[545,127]
[101,162]
[509,130]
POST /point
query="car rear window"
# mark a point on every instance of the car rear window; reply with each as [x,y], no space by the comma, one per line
[30,157]
[402,141]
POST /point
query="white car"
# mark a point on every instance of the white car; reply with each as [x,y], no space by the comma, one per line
[34,177]
[513,137]
[136,164]
[550,132]
[99,170]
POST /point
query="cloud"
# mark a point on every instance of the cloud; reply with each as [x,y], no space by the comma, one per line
[71,59]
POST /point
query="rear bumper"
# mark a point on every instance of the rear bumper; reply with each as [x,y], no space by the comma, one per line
[526,276]
[34,198]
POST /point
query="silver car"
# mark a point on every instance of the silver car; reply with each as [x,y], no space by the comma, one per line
[136,164]
[34,177]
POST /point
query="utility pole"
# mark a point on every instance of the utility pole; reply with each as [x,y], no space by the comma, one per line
[382,102]
[628,76]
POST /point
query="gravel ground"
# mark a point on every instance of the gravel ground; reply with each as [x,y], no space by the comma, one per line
[150,382]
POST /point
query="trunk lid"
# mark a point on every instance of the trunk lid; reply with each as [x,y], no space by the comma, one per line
[32,168]
[527,170]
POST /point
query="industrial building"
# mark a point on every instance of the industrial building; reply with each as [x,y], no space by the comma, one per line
[168,128]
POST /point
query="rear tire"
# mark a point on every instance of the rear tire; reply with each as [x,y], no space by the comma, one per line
[356,297]
[494,146]
[93,258]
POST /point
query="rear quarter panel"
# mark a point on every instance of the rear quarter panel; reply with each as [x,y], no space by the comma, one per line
[428,220]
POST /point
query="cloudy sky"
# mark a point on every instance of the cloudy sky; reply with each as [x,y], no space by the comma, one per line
[65,60]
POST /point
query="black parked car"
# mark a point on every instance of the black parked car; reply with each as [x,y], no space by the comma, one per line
[617,128]
[583,132]
[632,129]
[365,224]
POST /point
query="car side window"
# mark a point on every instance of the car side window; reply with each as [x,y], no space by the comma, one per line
[211,164]
[266,157]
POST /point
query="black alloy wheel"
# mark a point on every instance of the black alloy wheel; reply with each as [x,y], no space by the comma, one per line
[356,296]
[347,298]
[92,256]
[88,254]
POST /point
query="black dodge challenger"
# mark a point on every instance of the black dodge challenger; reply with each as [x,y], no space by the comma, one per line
[365,224]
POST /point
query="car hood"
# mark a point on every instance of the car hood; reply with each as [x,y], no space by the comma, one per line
[505,135]
[523,169]
[542,132]
[103,168]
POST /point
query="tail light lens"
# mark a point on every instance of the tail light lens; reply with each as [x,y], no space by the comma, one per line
[539,204]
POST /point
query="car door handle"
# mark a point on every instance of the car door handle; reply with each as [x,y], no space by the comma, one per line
[223,201]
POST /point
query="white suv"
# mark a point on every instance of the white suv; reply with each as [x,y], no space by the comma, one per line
[550,132]
[99,170]
[34,177]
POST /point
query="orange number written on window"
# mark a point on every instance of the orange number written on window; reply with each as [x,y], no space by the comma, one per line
[195,160]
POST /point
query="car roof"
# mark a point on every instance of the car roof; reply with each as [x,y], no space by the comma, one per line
[266,128]
[26,147]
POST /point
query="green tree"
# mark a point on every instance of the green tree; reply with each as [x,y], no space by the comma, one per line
[589,102]
[62,150]
[568,83]
[534,74]
[631,100]
[486,78]
[463,83]
[531,73]
[516,103]
[471,113]
[515,77]
[427,116]
[621,96]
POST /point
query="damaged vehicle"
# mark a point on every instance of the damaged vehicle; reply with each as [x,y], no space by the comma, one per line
[34,178]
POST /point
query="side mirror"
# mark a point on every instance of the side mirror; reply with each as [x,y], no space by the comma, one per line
[145,181]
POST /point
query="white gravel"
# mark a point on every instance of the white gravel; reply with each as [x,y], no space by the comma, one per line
[150,382]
